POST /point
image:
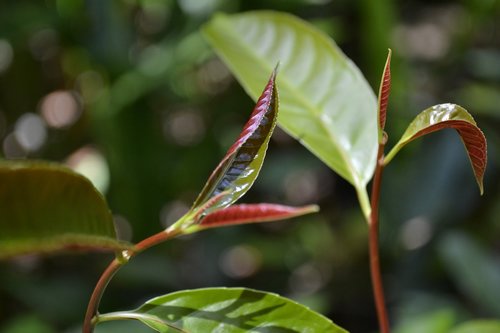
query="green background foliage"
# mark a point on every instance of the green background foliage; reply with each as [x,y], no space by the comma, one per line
[130,93]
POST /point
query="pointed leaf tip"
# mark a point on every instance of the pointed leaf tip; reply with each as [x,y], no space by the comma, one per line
[239,168]
[383,94]
[253,213]
[449,116]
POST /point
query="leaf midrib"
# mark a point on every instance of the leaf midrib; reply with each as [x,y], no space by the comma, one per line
[309,106]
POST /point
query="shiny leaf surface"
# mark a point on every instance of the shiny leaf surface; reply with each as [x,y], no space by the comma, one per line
[326,102]
[383,94]
[238,170]
[453,116]
[46,207]
[251,213]
[229,310]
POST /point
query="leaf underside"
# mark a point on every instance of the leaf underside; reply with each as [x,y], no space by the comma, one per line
[449,116]
[383,95]
[326,102]
[252,213]
[229,310]
[238,170]
[46,207]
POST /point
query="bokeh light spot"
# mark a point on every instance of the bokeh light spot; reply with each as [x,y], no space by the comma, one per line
[6,55]
[12,149]
[30,132]
[60,109]
[91,163]
[184,127]
[240,261]
[416,232]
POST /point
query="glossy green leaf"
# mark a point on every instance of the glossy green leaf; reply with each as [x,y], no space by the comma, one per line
[47,207]
[238,170]
[326,102]
[478,326]
[228,310]
[250,213]
[453,116]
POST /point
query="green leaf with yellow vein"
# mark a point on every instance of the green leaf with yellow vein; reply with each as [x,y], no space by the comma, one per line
[453,116]
[46,207]
[228,310]
[326,102]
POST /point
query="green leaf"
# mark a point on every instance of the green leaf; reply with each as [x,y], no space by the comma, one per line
[326,102]
[47,207]
[478,326]
[228,310]
[238,170]
[453,116]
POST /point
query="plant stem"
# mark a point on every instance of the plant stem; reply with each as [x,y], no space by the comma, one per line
[378,290]
[113,267]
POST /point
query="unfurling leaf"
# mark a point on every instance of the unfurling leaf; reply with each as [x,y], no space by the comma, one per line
[238,170]
[250,213]
[383,95]
[326,102]
[449,116]
[228,310]
[46,207]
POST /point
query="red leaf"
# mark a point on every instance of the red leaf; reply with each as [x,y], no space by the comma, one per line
[240,166]
[449,116]
[474,141]
[383,94]
[253,213]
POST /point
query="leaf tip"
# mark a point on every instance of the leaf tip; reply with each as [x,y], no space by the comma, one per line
[384,91]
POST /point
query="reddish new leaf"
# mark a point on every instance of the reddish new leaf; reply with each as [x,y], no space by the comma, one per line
[383,94]
[251,213]
[238,170]
[449,116]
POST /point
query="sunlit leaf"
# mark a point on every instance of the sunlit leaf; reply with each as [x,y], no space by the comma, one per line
[251,213]
[478,326]
[383,94]
[449,116]
[228,310]
[326,102]
[238,170]
[46,207]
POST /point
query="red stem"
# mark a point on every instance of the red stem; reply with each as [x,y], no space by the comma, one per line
[110,271]
[378,290]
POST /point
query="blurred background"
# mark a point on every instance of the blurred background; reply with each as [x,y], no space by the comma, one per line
[128,93]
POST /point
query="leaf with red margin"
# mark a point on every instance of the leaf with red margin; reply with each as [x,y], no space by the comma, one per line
[383,94]
[250,213]
[238,170]
[449,116]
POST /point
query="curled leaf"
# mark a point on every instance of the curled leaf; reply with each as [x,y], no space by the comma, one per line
[383,94]
[449,116]
[238,170]
[251,213]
